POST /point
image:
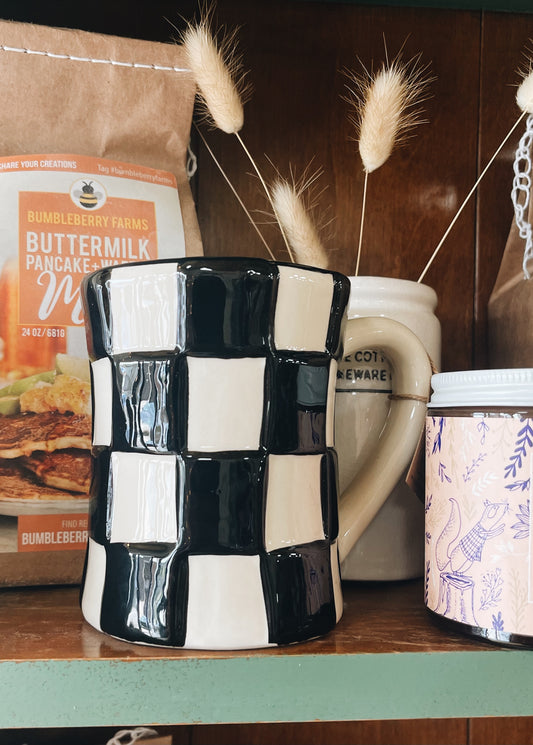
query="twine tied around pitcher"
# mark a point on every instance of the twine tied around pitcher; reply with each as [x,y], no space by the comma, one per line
[413,396]
[408,397]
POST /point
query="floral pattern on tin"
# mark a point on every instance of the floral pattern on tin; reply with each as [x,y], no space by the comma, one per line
[478,565]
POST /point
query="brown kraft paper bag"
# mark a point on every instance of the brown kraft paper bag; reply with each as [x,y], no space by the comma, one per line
[92,100]
[70,91]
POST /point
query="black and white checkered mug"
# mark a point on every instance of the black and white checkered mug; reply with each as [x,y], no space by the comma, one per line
[214,506]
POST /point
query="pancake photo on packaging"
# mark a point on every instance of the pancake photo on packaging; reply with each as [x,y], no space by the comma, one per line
[45,440]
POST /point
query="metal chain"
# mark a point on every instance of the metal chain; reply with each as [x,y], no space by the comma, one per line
[520,192]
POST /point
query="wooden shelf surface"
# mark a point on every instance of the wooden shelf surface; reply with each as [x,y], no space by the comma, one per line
[386,659]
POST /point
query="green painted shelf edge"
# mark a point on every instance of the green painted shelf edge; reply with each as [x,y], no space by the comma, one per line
[84,693]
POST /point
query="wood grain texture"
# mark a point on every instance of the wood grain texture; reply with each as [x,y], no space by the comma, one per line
[46,623]
[498,730]
[415,732]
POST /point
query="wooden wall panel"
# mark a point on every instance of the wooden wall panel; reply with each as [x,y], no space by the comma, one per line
[414,732]
[295,53]
[499,730]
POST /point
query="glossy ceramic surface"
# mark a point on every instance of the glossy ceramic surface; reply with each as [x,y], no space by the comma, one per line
[214,517]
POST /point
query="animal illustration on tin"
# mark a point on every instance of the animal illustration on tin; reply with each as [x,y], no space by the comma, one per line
[456,553]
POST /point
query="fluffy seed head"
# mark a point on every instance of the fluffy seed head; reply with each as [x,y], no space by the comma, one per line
[293,214]
[387,107]
[524,94]
[218,72]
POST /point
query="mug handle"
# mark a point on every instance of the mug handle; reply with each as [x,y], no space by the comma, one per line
[411,377]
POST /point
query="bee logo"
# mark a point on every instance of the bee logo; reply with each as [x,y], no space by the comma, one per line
[88,194]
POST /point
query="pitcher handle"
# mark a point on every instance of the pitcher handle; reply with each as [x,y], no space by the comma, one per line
[411,376]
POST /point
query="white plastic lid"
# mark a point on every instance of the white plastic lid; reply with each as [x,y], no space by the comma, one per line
[511,387]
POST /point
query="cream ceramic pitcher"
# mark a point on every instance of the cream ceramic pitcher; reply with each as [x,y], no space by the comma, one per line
[392,547]
[215,520]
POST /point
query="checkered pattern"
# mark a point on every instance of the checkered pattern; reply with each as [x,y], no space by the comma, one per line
[214,520]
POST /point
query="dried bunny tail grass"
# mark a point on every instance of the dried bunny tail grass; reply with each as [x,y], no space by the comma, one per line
[386,107]
[293,212]
[381,117]
[524,99]
[524,94]
[217,68]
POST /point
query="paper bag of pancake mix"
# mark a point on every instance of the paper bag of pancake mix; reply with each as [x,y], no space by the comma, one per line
[94,132]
